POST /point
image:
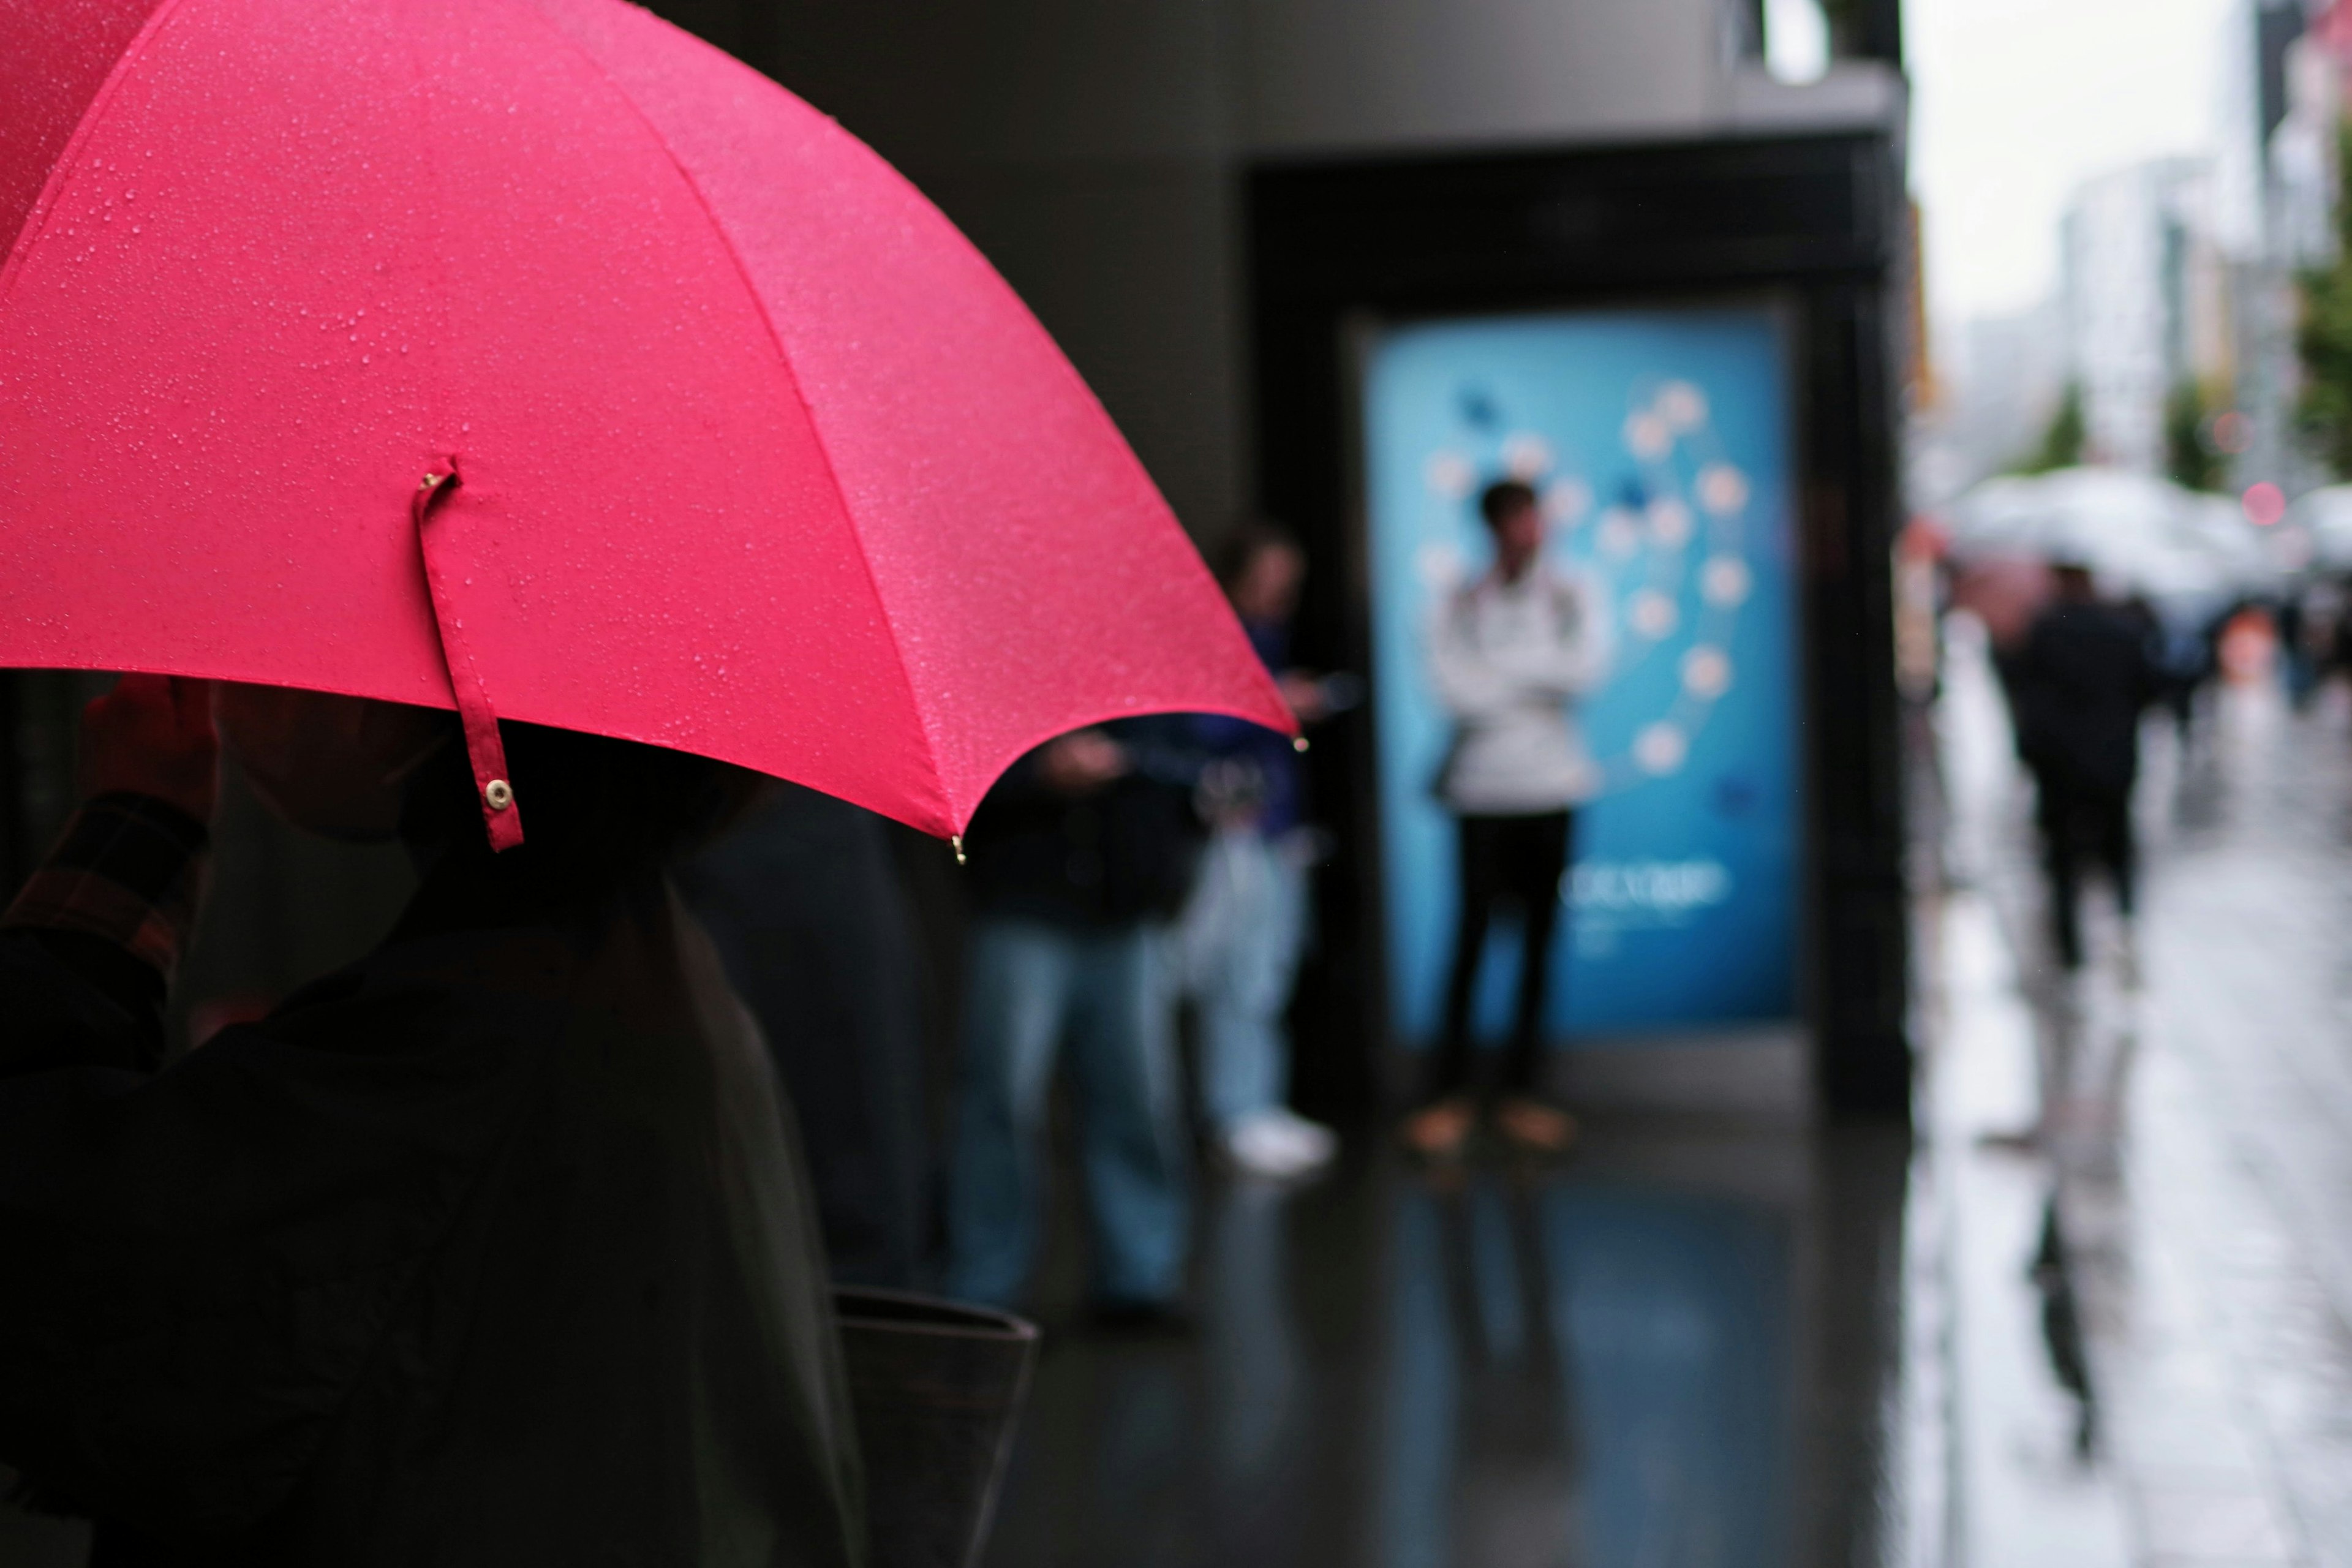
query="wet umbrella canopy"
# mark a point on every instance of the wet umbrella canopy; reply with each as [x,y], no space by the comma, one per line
[530,357]
[2148,534]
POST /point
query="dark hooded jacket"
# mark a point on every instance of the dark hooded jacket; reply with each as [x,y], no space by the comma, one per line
[2076,691]
[489,1250]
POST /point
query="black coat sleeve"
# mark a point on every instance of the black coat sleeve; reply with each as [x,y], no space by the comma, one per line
[87,944]
[198,1259]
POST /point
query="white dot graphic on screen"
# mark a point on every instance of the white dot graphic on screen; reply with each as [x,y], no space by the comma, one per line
[1724,581]
[1653,614]
[1722,488]
[1564,501]
[1620,536]
[1682,405]
[1670,522]
[1449,474]
[1528,456]
[1440,567]
[1648,438]
[1707,672]
[1660,747]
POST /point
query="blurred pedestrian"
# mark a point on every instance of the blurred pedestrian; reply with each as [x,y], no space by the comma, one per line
[1511,651]
[2184,663]
[2298,670]
[493,1248]
[1080,858]
[1247,919]
[804,901]
[2077,689]
[2324,618]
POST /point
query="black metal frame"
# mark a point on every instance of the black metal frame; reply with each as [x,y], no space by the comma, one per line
[1872,30]
[1815,223]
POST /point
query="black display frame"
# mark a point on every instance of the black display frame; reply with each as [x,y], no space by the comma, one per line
[1817,223]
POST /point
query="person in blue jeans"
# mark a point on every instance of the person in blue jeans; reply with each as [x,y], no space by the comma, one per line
[1246,921]
[1078,857]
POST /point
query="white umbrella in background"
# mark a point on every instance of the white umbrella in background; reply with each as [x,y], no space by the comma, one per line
[2253,560]
[2325,517]
[2140,533]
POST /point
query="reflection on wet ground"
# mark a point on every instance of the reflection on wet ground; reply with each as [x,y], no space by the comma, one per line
[2101,1315]
[1671,1351]
[2184,1146]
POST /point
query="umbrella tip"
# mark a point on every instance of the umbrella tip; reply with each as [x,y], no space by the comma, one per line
[955,840]
[1298,743]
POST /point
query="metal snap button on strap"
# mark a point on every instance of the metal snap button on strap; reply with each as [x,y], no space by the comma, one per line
[497,794]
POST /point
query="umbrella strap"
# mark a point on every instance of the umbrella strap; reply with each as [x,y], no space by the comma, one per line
[447,561]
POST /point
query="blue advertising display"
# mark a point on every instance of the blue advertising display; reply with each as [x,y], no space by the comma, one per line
[1659,442]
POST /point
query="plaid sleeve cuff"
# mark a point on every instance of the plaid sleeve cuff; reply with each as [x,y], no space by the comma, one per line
[127,870]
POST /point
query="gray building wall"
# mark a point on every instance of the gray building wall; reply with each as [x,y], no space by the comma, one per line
[1367,75]
[1090,149]
[1085,148]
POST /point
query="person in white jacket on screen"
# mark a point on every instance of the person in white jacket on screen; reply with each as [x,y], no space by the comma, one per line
[1510,653]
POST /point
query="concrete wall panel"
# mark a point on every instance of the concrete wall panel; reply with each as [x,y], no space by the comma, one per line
[1366,75]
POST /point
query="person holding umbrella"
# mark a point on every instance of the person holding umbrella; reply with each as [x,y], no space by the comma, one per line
[493,1248]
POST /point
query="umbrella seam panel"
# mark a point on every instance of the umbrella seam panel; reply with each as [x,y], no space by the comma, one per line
[945,807]
[68,163]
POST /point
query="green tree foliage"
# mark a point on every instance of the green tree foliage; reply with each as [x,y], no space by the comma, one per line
[2061,443]
[2189,458]
[2324,337]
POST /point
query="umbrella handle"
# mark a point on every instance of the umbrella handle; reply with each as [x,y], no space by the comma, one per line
[442,543]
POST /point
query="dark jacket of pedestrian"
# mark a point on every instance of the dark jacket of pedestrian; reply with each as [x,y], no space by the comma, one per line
[1115,856]
[804,901]
[489,1250]
[2077,689]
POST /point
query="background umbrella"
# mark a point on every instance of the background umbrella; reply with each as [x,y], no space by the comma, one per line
[714,432]
[2325,517]
[2143,534]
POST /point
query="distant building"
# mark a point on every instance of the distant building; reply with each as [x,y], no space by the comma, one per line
[2274,209]
[2007,373]
[2142,299]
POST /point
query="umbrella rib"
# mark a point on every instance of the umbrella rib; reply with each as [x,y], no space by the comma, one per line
[791,377]
[68,163]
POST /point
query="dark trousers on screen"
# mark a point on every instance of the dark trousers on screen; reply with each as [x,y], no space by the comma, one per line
[1504,860]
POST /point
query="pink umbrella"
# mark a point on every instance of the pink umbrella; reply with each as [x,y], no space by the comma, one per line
[532,358]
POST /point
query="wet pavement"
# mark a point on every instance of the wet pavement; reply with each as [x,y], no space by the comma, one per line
[1680,1348]
[2098,1313]
[2153,1182]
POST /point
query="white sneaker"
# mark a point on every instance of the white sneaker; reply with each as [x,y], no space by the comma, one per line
[1279,1144]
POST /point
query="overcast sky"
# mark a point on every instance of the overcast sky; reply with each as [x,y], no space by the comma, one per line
[2017,102]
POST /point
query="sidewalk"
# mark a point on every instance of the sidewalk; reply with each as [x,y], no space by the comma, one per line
[2099,1316]
[2101,1323]
[2147,1194]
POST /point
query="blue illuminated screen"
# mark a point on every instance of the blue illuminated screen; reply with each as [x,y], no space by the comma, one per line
[1659,441]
